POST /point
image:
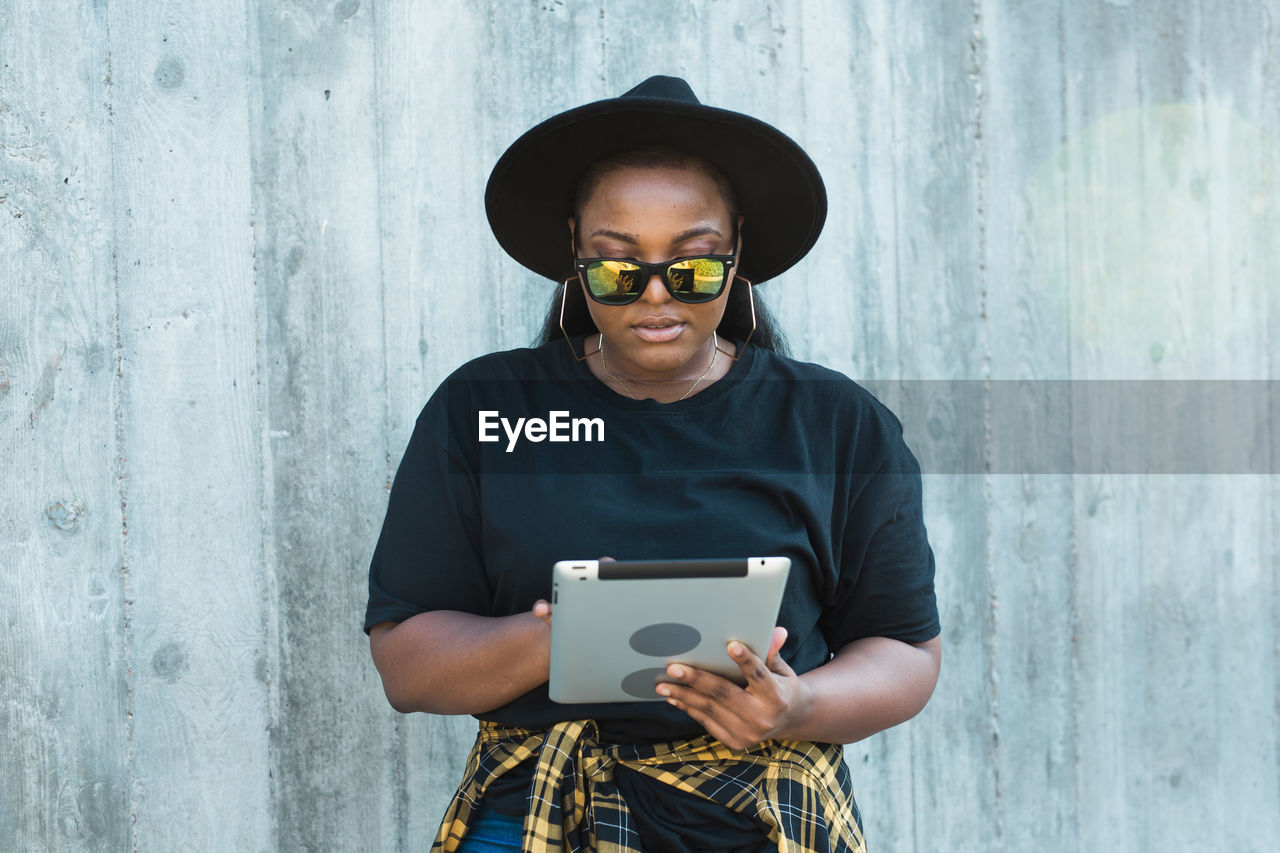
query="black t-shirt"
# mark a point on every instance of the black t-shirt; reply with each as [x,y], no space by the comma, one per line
[779,457]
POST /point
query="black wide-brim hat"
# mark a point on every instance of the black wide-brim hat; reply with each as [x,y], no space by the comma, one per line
[780,193]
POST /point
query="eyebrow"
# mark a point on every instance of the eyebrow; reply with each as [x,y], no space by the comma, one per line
[698,231]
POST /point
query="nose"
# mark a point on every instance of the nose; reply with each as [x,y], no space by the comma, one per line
[655,290]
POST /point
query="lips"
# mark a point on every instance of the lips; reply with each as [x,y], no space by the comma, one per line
[656,330]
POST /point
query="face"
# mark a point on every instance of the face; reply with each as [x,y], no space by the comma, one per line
[655,214]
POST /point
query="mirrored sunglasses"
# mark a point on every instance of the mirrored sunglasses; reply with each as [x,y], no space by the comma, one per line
[620,281]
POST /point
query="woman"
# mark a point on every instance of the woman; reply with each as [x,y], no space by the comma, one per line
[656,212]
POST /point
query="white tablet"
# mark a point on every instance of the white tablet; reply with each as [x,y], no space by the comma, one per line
[615,626]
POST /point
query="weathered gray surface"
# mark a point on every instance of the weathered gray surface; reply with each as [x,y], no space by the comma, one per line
[223,238]
[66,768]
[190,425]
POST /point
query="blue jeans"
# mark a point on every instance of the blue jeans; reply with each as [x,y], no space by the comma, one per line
[492,832]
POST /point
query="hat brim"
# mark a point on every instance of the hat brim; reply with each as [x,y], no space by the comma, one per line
[529,196]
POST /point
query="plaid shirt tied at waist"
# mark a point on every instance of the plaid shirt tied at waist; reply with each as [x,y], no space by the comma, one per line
[801,791]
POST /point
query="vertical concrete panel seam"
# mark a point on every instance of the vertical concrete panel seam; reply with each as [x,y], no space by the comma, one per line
[603,43]
[1271,66]
[977,68]
[897,208]
[270,591]
[1073,553]
[1269,76]
[399,780]
[400,777]
[126,592]
[1139,743]
[1201,88]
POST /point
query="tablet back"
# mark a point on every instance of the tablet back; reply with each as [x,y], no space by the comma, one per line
[617,625]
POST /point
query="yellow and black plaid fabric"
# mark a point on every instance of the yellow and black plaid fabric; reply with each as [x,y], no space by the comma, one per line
[800,791]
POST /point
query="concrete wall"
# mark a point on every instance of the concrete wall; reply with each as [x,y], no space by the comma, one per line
[224,230]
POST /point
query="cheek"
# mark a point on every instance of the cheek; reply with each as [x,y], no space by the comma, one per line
[711,314]
[607,319]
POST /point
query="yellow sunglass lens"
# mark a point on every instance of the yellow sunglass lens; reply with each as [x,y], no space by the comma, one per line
[613,278]
[699,275]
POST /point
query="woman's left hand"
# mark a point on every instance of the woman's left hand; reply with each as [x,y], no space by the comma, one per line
[774,700]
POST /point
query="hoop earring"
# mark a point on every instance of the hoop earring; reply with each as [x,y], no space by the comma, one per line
[752,299]
[565,298]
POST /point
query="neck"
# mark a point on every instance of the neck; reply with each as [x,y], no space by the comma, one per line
[704,368]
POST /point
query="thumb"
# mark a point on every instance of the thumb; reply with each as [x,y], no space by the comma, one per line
[542,609]
[774,660]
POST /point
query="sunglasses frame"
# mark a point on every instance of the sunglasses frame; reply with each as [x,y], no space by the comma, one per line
[661,270]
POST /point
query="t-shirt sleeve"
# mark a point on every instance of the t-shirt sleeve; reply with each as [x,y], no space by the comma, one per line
[428,556]
[884,586]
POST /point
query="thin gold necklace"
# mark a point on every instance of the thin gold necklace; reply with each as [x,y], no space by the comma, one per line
[715,350]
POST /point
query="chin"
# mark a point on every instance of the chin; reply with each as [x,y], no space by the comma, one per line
[662,358]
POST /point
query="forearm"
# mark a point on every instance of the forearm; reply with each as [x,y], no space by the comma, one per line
[447,662]
[870,685]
